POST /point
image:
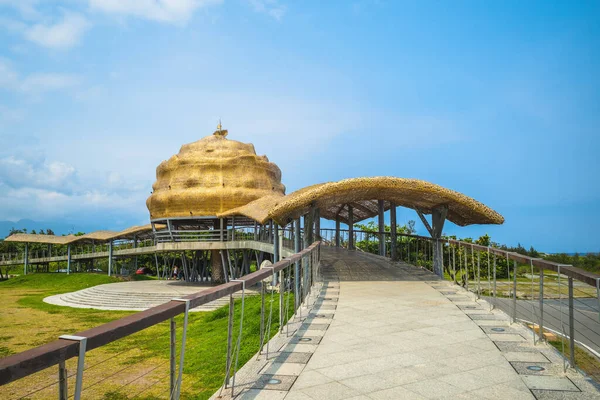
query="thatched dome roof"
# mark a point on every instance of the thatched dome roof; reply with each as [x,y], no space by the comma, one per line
[212,176]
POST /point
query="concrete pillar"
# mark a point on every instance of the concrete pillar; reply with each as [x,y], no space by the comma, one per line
[68,259]
[110,257]
[255,231]
[350,228]
[337,231]
[381,221]
[25,259]
[438,217]
[393,231]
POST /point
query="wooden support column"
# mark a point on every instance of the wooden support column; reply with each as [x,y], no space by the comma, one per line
[381,221]
[438,217]
[393,231]
[276,253]
[337,231]
[317,224]
[350,227]
[68,259]
[136,257]
[25,260]
[307,224]
[255,231]
[232,228]
[110,257]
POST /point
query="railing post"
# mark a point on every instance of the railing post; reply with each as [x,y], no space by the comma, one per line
[80,362]
[63,392]
[276,255]
[514,299]
[495,281]
[182,351]
[478,274]
[598,296]
[466,270]
[541,302]
[571,325]
[454,263]
[173,353]
[229,339]
[297,264]
[281,293]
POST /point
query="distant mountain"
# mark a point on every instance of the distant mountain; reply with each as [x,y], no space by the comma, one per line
[59,228]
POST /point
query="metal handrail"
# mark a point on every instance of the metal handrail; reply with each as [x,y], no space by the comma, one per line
[20,365]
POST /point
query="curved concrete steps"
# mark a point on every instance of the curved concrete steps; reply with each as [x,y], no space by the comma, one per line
[135,296]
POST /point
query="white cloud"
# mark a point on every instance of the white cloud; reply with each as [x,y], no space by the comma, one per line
[270,7]
[62,35]
[36,83]
[17,172]
[170,11]
[46,190]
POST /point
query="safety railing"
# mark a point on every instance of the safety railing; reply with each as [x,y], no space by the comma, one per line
[560,303]
[284,287]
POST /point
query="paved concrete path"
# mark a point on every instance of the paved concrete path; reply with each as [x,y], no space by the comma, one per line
[382,330]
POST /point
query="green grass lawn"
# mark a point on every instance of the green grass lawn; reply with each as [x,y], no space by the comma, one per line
[138,363]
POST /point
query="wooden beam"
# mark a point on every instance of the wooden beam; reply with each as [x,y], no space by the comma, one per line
[425,222]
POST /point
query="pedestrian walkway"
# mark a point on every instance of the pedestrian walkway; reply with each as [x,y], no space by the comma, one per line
[382,330]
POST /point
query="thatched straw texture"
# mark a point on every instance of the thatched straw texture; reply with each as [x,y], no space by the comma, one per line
[47,239]
[140,232]
[212,176]
[258,210]
[362,193]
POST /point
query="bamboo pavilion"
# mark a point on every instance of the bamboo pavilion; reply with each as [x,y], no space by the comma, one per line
[217,195]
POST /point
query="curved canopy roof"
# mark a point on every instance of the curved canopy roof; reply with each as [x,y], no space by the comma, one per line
[259,209]
[333,198]
[139,232]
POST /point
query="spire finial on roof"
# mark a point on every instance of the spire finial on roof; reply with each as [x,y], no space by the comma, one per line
[220,131]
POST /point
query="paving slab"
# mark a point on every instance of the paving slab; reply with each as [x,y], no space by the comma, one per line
[549,383]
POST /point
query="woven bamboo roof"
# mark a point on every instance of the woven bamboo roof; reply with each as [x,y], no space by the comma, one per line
[333,199]
[98,236]
[259,209]
[33,238]
[362,193]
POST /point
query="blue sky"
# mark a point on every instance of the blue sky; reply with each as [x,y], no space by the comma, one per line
[498,100]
